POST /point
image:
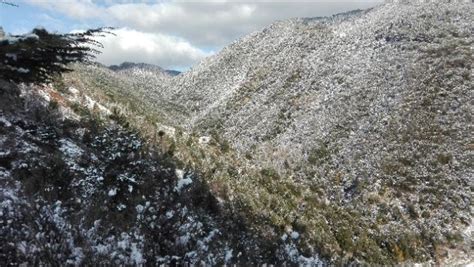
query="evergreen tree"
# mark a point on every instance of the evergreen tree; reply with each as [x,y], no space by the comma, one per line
[37,56]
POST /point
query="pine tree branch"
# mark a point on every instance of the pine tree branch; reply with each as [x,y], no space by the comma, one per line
[8,3]
[38,56]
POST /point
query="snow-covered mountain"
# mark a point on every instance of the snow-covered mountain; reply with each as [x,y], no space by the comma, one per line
[79,186]
[136,67]
[364,115]
[343,140]
[373,108]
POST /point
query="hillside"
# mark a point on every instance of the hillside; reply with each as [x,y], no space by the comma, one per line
[333,140]
[80,186]
[371,112]
[130,67]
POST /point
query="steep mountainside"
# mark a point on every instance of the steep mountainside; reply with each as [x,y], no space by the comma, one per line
[79,186]
[344,140]
[362,121]
[374,107]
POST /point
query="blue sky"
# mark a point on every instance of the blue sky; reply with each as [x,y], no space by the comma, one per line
[171,34]
[22,19]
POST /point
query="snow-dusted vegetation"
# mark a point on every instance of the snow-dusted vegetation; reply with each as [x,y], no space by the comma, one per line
[90,191]
[319,140]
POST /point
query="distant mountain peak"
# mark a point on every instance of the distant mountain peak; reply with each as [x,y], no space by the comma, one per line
[143,66]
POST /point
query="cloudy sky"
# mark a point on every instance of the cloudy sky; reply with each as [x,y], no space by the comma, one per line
[171,34]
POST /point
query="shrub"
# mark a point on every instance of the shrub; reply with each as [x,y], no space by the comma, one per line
[318,154]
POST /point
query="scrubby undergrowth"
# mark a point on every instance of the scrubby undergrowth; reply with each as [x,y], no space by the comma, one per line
[81,187]
[346,139]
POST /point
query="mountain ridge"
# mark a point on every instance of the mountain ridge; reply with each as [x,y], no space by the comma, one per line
[144,66]
[342,140]
[367,101]
[341,110]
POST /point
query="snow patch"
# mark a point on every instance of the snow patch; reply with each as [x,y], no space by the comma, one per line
[136,254]
[170,131]
[91,104]
[12,56]
[112,192]
[70,149]
[295,235]
[182,183]
[228,255]
[139,208]
[204,140]
[179,174]
[44,95]
[22,70]
[4,173]
[73,91]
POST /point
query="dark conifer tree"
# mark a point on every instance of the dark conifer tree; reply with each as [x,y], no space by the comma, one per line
[36,57]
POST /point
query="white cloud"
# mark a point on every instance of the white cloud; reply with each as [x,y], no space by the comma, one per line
[78,9]
[203,23]
[218,23]
[130,45]
[197,25]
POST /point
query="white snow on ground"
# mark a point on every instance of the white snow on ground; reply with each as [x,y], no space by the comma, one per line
[468,232]
[70,149]
[68,113]
[23,70]
[74,95]
[44,95]
[73,91]
[136,254]
[228,255]
[91,104]
[28,147]
[179,174]
[291,251]
[204,140]
[12,56]
[78,256]
[112,192]
[170,131]
[310,261]
[204,243]
[182,183]
[139,208]
[295,235]
[4,173]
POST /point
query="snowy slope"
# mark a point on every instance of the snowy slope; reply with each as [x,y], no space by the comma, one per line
[351,133]
[372,107]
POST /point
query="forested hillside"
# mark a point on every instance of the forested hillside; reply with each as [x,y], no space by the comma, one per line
[337,140]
